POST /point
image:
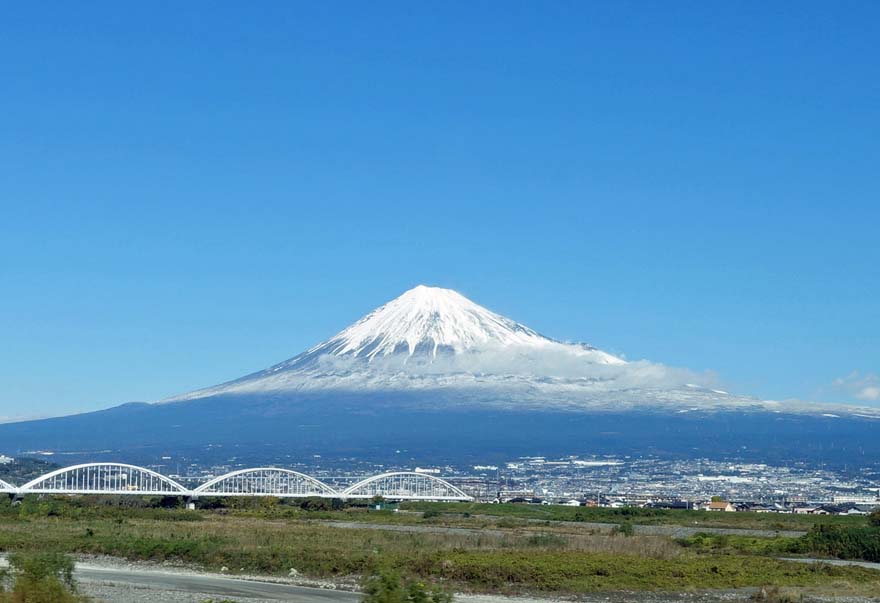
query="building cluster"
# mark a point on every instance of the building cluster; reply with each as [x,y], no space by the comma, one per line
[683,484]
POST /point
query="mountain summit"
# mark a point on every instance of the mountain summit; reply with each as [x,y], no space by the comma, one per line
[435,339]
[428,321]
[427,324]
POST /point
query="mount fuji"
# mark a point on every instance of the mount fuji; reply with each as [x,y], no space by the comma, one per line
[436,340]
[435,376]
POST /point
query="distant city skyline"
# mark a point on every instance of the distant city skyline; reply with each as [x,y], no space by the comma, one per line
[194,192]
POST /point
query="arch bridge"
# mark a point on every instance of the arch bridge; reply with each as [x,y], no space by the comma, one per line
[124,479]
[266,482]
[405,485]
[103,478]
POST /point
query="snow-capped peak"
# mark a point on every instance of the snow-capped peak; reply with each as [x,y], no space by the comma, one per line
[427,337]
[428,321]
[434,348]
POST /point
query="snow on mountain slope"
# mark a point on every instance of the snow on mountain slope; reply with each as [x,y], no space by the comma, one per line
[428,323]
[429,320]
[437,340]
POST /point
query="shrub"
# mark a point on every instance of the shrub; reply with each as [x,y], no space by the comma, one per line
[42,578]
[387,587]
[315,503]
[860,542]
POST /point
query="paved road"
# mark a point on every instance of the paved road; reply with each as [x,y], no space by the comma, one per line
[867,564]
[685,531]
[418,529]
[655,530]
[208,584]
[674,530]
[214,585]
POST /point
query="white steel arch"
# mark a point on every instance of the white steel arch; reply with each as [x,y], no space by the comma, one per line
[405,485]
[121,478]
[266,481]
[103,478]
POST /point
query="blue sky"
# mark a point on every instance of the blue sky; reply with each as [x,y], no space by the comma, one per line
[190,193]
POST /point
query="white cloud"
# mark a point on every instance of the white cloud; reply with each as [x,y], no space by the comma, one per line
[861,386]
[558,362]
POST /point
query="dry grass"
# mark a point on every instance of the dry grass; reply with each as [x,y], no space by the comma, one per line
[510,560]
[260,534]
